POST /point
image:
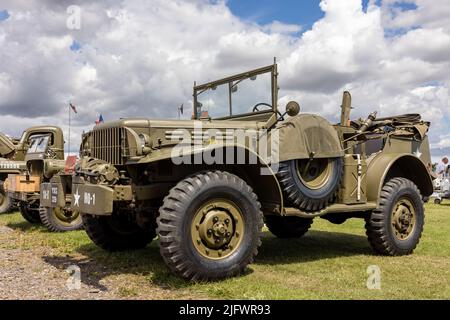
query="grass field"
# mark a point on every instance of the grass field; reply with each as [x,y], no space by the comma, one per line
[330,262]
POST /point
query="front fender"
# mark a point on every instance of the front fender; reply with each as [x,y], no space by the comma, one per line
[385,166]
[261,174]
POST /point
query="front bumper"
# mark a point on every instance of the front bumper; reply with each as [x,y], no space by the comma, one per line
[52,195]
[92,199]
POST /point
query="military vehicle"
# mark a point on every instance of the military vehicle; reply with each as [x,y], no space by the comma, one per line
[7,151]
[139,178]
[44,160]
[12,156]
[441,188]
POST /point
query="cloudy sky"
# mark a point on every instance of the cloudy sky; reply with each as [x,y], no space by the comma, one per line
[140,58]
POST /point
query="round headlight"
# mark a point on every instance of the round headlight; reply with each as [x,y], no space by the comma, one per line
[145,143]
[143,140]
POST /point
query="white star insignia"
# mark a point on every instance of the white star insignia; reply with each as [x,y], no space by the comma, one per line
[76,201]
[417,153]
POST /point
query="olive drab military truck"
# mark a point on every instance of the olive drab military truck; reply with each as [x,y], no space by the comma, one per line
[12,156]
[44,159]
[7,165]
[206,186]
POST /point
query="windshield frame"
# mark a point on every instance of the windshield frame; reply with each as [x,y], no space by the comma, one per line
[272,69]
[33,149]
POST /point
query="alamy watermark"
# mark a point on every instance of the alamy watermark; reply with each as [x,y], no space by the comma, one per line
[226,146]
[73,21]
[374,279]
[74,280]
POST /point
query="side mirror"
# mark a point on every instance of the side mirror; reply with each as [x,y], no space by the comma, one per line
[292,108]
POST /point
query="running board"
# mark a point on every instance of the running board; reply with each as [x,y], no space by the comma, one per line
[334,208]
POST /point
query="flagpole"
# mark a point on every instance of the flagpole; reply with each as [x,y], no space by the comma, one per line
[68,151]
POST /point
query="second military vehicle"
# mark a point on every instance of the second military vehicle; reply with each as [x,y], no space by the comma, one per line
[12,156]
[206,186]
[44,160]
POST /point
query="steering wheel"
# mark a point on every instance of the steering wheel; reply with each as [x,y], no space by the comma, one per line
[256,109]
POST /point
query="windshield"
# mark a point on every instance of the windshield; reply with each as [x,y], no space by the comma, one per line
[237,95]
[38,144]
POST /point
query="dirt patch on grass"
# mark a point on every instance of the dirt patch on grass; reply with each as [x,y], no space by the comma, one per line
[28,272]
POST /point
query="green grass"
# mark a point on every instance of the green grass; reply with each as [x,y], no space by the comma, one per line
[330,262]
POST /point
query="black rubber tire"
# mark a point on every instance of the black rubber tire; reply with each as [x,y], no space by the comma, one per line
[6,203]
[53,224]
[304,198]
[437,201]
[29,212]
[378,225]
[288,227]
[178,211]
[112,234]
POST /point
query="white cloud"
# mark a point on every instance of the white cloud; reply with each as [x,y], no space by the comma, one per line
[140,58]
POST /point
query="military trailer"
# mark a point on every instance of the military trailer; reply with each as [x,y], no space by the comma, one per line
[44,160]
[206,186]
[12,156]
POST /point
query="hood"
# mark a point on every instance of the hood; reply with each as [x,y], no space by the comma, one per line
[180,124]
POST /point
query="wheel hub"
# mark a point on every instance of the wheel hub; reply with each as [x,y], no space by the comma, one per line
[214,229]
[217,229]
[66,216]
[403,219]
[314,173]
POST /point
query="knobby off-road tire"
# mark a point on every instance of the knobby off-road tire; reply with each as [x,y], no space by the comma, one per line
[396,226]
[5,201]
[60,220]
[29,212]
[310,185]
[288,227]
[116,233]
[210,226]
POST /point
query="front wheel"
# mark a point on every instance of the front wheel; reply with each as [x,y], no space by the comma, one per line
[30,212]
[60,219]
[210,226]
[395,227]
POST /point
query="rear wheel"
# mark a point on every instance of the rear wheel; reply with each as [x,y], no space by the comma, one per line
[117,232]
[396,226]
[30,212]
[437,201]
[5,200]
[310,185]
[288,227]
[60,219]
[210,226]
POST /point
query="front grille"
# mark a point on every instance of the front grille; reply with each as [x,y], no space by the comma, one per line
[109,145]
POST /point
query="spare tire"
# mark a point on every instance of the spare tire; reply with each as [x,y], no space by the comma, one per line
[310,185]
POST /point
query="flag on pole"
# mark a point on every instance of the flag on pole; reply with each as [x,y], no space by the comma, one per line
[99,120]
[73,107]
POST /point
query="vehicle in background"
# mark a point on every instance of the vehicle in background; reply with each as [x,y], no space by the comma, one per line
[44,159]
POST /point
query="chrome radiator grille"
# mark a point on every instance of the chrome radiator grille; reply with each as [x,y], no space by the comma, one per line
[109,145]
